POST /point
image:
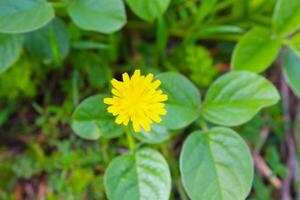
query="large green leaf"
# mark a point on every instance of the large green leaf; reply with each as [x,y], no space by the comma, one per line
[19,16]
[91,120]
[292,70]
[255,51]
[104,16]
[236,97]
[10,48]
[286,18]
[183,100]
[148,9]
[50,42]
[216,165]
[140,175]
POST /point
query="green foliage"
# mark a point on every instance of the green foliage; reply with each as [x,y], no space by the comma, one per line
[200,65]
[148,9]
[216,164]
[183,100]
[24,16]
[158,134]
[17,81]
[292,70]
[50,43]
[236,97]
[10,49]
[69,50]
[104,16]
[91,120]
[139,175]
[286,18]
[256,51]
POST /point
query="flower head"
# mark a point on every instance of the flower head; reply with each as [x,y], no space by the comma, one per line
[137,99]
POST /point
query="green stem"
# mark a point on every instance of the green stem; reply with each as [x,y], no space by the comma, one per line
[203,123]
[130,139]
[59,4]
[173,163]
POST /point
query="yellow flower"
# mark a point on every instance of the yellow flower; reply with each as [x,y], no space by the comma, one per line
[137,99]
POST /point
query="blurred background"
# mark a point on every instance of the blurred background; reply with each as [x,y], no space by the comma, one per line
[60,64]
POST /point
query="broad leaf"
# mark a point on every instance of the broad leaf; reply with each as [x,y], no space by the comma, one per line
[292,70]
[255,51]
[183,100]
[157,134]
[104,16]
[10,48]
[216,164]
[139,175]
[91,120]
[236,97]
[148,9]
[50,42]
[23,16]
[286,18]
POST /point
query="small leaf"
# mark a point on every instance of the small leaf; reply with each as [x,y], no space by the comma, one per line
[23,16]
[255,51]
[292,70]
[50,42]
[286,18]
[236,97]
[216,164]
[157,134]
[139,175]
[148,9]
[10,49]
[104,16]
[183,100]
[91,120]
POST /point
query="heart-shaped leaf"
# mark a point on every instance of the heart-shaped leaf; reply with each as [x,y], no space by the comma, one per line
[91,120]
[139,175]
[216,164]
[236,97]
[23,16]
[10,48]
[104,16]
[183,100]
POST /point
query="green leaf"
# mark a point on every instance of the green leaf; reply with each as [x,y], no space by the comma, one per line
[255,51]
[148,10]
[139,175]
[157,134]
[236,97]
[91,120]
[292,70]
[183,100]
[216,164]
[104,16]
[294,43]
[23,16]
[10,49]
[50,42]
[286,18]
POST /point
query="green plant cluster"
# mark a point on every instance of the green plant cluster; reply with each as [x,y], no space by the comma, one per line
[219,62]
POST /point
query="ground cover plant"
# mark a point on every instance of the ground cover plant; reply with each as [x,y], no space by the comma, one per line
[160,99]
